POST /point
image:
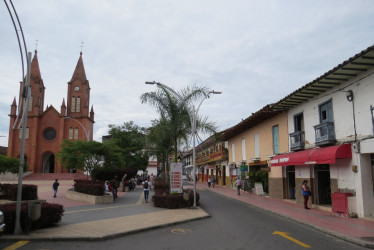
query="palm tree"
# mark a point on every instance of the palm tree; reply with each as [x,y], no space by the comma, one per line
[159,141]
[172,109]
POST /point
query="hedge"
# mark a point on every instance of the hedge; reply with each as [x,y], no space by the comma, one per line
[164,199]
[50,215]
[9,192]
[89,187]
[173,201]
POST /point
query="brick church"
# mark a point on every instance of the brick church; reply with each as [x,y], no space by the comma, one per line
[47,127]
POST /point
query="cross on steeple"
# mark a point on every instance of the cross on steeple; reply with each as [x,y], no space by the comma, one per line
[36,44]
[82,46]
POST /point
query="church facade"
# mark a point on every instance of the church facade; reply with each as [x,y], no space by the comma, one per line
[48,127]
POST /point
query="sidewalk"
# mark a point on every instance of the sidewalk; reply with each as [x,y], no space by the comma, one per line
[358,231]
[83,221]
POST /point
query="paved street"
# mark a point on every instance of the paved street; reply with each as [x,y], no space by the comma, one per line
[232,225]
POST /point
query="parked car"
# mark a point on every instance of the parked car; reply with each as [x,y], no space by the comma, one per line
[2,225]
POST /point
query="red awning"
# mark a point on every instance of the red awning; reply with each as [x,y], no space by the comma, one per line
[313,156]
[329,154]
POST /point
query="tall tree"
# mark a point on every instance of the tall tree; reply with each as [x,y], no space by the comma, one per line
[176,110]
[89,155]
[131,139]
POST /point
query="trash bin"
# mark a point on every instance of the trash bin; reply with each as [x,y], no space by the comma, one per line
[34,210]
[186,196]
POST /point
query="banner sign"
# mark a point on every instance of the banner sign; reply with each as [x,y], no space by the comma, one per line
[176,170]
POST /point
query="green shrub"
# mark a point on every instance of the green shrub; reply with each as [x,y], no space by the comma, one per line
[50,215]
[9,192]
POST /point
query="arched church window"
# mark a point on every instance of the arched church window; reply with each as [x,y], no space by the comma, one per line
[78,104]
[73,104]
[76,134]
[71,131]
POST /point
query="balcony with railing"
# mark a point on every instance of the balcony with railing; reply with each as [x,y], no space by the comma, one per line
[325,133]
[219,155]
[297,140]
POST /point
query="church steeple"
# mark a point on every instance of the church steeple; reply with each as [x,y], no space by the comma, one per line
[78,98]
[36,101]
[79,72]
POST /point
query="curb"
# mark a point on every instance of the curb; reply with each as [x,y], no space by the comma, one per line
[102,237]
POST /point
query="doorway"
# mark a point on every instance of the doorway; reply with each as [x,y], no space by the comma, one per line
[48,163]
[323,188]
[224,176]
[291,184]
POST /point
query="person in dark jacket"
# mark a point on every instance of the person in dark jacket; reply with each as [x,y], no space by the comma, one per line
[55,188]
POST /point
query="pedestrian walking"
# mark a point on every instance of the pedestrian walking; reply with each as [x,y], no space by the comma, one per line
[306,193]
[146,190]
[114,186]
[209,181]
[123,181]
[213,181]
[238,185]
[55,188]
[151,181]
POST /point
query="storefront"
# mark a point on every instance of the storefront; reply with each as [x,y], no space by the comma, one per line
[321,167]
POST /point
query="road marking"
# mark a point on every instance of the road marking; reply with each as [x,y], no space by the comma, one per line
[180,231]
[140,200]
[16,245]
[102,208]
[284,234]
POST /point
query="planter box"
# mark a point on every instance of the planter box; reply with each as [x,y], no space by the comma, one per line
[93,199]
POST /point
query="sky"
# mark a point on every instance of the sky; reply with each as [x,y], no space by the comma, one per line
[254,52]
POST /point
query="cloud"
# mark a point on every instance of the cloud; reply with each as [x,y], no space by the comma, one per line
[255,52]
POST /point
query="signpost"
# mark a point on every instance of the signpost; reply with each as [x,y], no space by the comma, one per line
[176,186]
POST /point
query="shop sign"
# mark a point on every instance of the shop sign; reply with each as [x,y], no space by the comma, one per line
[176,170]
[243,168]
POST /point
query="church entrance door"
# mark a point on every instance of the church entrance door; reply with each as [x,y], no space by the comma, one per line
[48,163]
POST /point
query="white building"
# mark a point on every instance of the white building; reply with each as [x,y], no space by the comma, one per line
[331,128]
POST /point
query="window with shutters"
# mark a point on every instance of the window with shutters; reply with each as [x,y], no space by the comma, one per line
[78,108]
[76,134]
[71,131]
[325,131]
[233,152]
[257,145]
[73,104]
[275,139]
[244,158]
[27,133]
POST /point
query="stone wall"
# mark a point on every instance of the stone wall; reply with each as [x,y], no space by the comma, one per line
[104,199]
[276,188]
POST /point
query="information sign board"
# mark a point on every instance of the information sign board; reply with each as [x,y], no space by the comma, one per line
[176,186]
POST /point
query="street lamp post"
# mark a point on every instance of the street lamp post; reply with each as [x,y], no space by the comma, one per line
[86,132]
[193,115]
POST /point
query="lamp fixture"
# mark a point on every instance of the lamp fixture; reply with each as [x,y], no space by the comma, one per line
[349,95]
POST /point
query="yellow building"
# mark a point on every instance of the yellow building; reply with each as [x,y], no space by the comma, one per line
[251,145]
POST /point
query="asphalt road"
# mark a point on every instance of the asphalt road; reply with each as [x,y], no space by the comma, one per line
[233,225]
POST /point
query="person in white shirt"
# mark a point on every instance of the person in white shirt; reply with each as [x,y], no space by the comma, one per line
[146,190]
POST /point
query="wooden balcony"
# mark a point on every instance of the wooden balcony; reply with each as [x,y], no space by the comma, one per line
[297,140]
[213,157]
[325,133]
